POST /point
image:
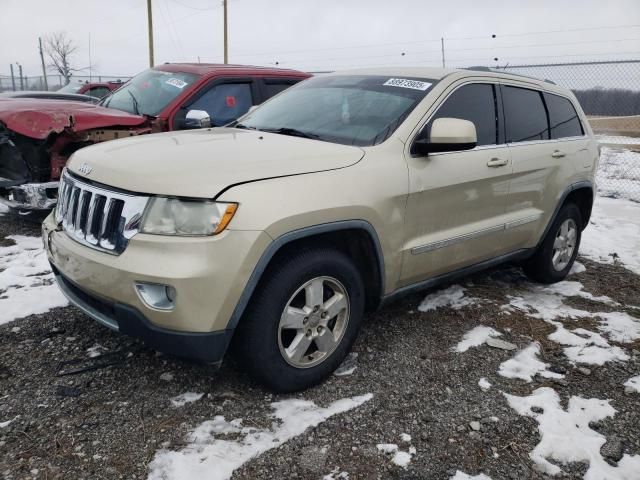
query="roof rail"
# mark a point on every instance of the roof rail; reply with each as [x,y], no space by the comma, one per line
[494,70]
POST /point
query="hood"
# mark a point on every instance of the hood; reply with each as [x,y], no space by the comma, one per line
[38,118]
[202,163]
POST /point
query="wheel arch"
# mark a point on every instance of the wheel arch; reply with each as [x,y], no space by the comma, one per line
[582,194]
[357,238]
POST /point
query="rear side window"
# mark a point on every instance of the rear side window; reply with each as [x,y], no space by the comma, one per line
[475,103]
[274,87]
[563,118]
[525,115]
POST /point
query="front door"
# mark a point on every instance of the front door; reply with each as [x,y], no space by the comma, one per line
[457,200]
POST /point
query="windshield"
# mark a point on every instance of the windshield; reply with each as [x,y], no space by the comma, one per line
[351,110]
[149,92]
[71,88]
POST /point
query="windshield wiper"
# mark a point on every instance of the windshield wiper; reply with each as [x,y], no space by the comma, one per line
[243,126]
[293,132]
[135,102]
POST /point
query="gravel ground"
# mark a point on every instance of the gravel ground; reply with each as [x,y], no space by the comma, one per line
[105,417]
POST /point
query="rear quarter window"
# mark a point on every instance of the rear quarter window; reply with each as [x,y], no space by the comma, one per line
[563,118]
[525,115]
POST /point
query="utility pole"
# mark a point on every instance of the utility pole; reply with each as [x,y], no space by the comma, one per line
[226,35]
[21,78]
[44,70]
[13,78]
[150,26]
[442,43]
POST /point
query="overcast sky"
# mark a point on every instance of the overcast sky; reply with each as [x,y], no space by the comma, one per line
[322,35]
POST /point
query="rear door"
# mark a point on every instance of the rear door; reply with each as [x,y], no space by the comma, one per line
[546,140]
[457,200]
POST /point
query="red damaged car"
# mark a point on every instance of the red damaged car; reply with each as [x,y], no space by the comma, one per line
[38,136]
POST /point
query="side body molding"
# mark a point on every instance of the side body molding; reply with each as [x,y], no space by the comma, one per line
[281,241]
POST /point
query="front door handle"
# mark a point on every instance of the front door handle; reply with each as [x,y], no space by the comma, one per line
[497,162]
[558,154]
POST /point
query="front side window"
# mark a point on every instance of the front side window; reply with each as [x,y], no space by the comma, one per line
[475,103]
[347,109]
[563,118]
[225,102]
[149,92]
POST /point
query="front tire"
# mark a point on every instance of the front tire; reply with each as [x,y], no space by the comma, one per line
[302,320]
[555,256]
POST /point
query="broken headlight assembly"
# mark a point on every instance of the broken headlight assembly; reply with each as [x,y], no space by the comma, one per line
[173,216]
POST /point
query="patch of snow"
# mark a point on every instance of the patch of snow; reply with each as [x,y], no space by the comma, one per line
[207,456]
[348,365]
[6,424]
[95,351]
[475,337]
[336,474]
[484,384]
[565,436]
[25,275]
[525,365]
[633,383]
[184,398]
[453,297]
[400,457]
[3,209]
[464,476]
[585,346]
[618,175]
[166,376]
[577,268]
[614,228]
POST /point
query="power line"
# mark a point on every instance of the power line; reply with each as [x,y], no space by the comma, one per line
[435,40]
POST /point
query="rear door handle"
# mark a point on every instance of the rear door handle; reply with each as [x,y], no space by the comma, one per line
[558,154]
[497,162]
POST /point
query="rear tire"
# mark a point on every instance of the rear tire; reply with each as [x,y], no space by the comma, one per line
[555,256]
[302,320]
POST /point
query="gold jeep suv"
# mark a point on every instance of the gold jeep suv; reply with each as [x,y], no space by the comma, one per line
[339,194]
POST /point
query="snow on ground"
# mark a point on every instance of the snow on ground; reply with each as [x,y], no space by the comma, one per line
[463,476]
[581,345]
[453,297]
[565,436]
[184,398]
[526,365]
[95,351]
[614,229]
[618,174]
[633,383]
[3,209]
[398,457]
[484,384]
[576,268]
[475,337]
[25,275]
[336,474]
[217,447]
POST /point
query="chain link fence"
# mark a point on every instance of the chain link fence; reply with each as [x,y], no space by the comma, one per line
[609,92]
[54,82]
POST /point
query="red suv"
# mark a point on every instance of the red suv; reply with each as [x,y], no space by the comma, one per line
[38,136]
[94,89]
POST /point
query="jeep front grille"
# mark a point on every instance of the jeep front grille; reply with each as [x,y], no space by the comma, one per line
[96,217]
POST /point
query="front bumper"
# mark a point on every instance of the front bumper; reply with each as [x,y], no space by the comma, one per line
[30,196]
[203,347]
[209,275]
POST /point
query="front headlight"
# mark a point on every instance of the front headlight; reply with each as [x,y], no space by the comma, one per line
[172,216]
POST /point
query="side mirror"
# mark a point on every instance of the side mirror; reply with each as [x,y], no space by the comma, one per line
[446,135]
[196,119]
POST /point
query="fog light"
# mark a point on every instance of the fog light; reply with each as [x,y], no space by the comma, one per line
[156,295]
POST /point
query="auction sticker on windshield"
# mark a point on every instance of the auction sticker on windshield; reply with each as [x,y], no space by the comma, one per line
[405,83]
[176,82]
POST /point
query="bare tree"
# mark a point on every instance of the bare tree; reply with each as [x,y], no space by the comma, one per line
[60,49]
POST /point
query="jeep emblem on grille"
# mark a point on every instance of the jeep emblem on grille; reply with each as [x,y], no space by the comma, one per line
[85,168]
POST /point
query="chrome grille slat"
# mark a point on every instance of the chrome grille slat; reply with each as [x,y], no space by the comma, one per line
[97,217]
